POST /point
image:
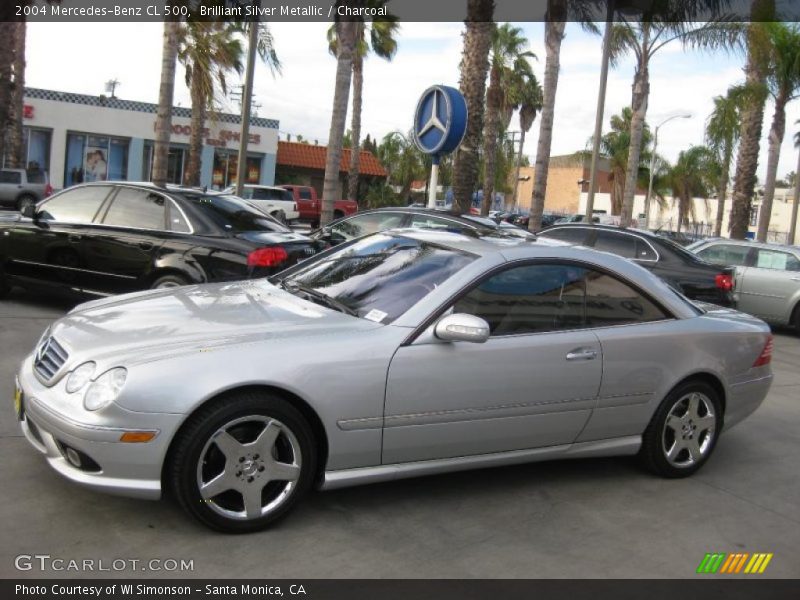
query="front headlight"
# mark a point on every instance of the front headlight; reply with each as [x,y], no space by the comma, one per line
[80,377]
[105,389]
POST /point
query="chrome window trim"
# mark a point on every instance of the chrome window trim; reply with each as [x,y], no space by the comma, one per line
[598,230]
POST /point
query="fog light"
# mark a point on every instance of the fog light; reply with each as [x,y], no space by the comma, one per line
[73,458]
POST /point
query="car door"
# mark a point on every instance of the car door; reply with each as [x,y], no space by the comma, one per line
[532,384]
[769,286]
[633,331]
[48,249]
[121,247]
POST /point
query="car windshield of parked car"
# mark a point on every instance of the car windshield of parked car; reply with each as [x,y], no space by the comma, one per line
[235,215]
[380,277]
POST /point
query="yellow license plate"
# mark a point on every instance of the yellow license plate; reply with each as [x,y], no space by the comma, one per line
[18,400]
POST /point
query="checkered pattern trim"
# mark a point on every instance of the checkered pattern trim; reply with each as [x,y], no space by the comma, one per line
[117,103]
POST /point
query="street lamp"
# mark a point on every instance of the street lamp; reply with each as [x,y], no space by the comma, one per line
[653,165]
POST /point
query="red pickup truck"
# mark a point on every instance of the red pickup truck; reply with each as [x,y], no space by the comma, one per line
[310,205]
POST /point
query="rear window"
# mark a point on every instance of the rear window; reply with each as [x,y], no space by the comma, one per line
[305,194]
[269,194]
[235,215]
[36,176]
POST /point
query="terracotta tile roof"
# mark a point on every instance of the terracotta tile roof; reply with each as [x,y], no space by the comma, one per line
[295,154]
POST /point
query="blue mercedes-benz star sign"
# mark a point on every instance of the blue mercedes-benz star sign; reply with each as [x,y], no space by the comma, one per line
[440,120]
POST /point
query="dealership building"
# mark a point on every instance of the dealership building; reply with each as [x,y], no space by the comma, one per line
[78,138]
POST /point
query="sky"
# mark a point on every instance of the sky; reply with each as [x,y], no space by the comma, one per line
[81,57]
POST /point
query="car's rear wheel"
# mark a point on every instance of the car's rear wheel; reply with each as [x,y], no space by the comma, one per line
[337,214]
[796,319]
[242,464]
[25,201]
[168,281]
[684,430]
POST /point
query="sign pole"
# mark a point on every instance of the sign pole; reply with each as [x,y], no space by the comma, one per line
[434,183]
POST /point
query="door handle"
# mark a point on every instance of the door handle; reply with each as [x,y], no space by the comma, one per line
[145,245]
[582,354]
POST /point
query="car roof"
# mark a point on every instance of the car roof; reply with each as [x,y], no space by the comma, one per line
[603,227]
[466,219]
[749,243]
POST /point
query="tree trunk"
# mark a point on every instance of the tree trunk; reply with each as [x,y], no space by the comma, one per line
[491,131]
[346,34]
[752,117]
[554,33]
[795,201]
[199,103]
[519,167]
[355,128]
[16,151]
[722,193]
[641,91]
[776,133]
[166,91]
[474,67]
[6,62]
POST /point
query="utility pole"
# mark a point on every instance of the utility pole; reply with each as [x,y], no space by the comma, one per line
[247,94]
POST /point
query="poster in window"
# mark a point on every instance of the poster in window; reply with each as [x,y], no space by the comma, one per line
[95,159]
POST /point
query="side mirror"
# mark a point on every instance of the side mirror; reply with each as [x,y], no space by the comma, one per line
[29,211]
[461,327]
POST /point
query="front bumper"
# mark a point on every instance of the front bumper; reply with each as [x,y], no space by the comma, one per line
[115,467]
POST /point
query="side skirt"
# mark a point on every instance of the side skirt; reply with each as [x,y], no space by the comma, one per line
[363,475]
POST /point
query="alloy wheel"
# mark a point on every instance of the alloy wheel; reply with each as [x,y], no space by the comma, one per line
[689,430]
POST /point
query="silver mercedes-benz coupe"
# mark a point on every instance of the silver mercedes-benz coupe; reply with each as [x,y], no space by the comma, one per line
[398,354]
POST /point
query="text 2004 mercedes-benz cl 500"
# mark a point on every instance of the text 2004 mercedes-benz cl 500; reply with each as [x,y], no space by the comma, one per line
[399,354]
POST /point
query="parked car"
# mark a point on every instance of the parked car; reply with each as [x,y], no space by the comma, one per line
[20,187]
[430,352]
[276,201]
[579,218]
[382,219]
[310,206]
[107,238]
[684,271]
[767,277]
[679,237]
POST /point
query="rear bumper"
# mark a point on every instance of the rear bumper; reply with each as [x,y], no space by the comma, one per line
[744,398]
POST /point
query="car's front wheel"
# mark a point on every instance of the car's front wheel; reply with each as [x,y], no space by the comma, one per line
[25,201]
[684,430]
[242,463]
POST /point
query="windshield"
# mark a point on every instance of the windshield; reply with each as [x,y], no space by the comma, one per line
[235,215]
[381,276]
[681,251]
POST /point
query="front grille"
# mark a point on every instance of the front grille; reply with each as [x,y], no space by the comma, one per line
[49,358]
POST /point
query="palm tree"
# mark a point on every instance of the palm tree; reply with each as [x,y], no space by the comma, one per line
[508,66]
[558,12]
[752,116]
[474,67]
[688,178]
[722,134]
[783,83]
[346,34]
[15,152]
[6,77]
[208,50]
[528,96]
[403,160]
[169,56]
[381,33]
[615,146]
[644,39]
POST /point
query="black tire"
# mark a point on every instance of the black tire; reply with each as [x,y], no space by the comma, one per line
[25,199]
[195,442]
[172,280]
[796,319]
[654,452]
[337,214]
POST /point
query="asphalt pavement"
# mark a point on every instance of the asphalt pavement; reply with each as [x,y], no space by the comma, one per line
[582,518]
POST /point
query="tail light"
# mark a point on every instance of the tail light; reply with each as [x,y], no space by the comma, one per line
[766,354]
[48,190]
[267,257]
[724,281]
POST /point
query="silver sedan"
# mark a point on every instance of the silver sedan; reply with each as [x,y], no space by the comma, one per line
[399,354]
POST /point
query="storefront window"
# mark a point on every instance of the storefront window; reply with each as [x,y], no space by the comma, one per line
[95,158]
[35,149]
[225,169]
[176,162]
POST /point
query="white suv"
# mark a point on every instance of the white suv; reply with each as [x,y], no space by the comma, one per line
[274,201]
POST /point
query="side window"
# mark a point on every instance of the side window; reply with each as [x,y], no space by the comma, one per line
[13,177]
[611,302]
[78,205]
[774,259]
[430,222]
[725,254]
[177,222]
[305,194]
[247,193]
[364,224]
[644,251]
[620,244]
[529,299]
[571,235]
[136,208]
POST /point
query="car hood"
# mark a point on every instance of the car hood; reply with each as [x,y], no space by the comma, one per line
[156,323]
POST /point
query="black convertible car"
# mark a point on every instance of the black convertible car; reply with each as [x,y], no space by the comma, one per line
[109,238]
